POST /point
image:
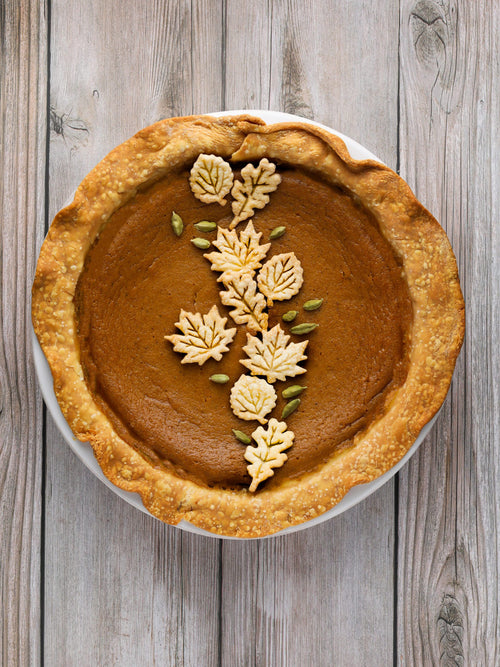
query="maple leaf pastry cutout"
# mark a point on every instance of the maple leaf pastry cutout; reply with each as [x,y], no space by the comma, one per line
[237,254]
[253,191]
[269,452]
[273,356]
[203,336]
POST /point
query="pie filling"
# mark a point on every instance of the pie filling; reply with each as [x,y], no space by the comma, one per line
[139,275]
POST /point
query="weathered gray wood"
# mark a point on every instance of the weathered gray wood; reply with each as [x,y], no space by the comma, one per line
[120,587]
[309,598]
[448,574]
[23,32]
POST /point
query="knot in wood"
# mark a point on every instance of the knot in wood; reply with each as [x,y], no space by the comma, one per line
[451,629]
[73,131]
[429,33]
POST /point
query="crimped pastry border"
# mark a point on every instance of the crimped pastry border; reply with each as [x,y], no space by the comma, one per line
[417,238]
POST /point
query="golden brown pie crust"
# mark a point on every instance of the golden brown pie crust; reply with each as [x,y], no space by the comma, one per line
[417,239]
[138,276]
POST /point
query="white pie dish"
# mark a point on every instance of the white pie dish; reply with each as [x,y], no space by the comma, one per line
[84,451]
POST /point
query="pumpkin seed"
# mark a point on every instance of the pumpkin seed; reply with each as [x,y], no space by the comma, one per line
[289,316]
[205,226]
[219,378]
[290,407]
[304,328]
[277,233]
[293,391]
[313,304]
[202,244]
[177,224]
[242,437]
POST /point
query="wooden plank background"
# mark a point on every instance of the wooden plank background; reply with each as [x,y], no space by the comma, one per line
[408,577]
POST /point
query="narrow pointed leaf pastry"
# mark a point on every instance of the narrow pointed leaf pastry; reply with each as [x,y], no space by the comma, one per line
[274,356]
[269,452]
[253,192]
[248,304]
[203,336]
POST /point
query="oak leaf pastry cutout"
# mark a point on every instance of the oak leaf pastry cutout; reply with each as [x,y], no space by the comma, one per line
[254,191]
[273,356]
[281,277]
[252,398]
[269,453]
[248,304]
[237,255]
[211,179]
[203,336]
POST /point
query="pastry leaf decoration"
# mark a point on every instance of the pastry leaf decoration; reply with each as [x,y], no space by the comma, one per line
[281,277]
[237,255]
[248,304]
[211,179]
[269,453]
[250,285]
[203,336]
[253,191]
[252,398]
[274,356]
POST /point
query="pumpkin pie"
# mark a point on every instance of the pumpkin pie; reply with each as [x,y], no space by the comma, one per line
[244,321]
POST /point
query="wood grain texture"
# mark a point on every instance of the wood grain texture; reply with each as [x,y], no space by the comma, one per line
[448,575]
[332,63]
[295,600]
[22,199]
[120,587]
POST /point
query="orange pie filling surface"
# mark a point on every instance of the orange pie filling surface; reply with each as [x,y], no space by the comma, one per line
[139,275]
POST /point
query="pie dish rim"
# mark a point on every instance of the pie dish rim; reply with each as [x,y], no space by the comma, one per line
[324,515]
[85,454]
